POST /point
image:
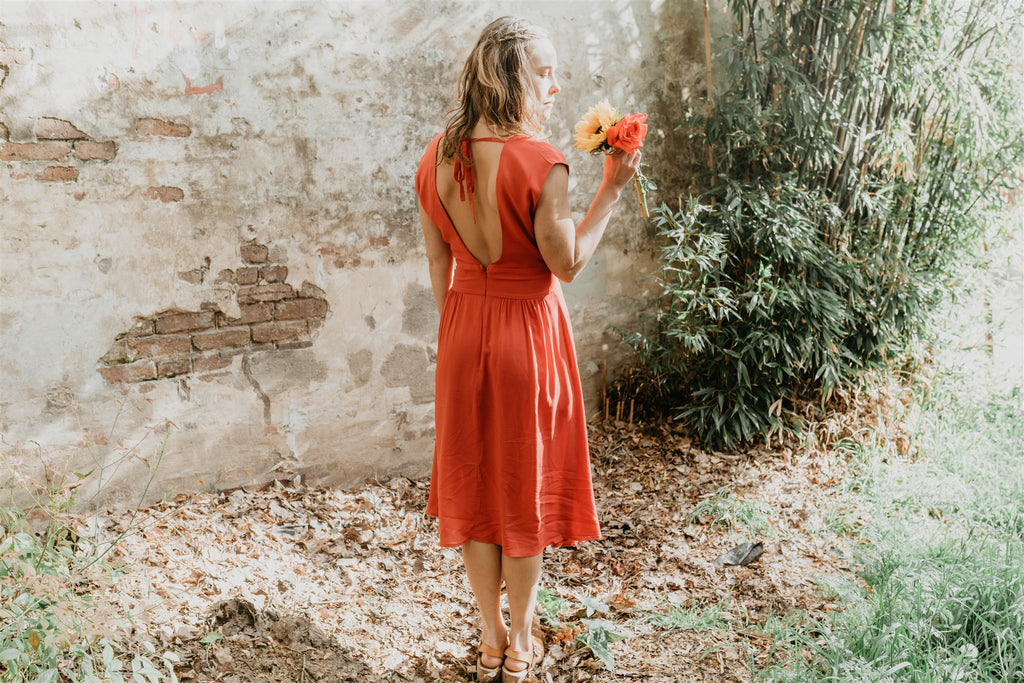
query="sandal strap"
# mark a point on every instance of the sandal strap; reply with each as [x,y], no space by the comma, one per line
[491,651]
[528,658]
[519,656]
[525,657]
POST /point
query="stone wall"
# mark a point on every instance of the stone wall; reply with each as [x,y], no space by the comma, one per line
[210,243]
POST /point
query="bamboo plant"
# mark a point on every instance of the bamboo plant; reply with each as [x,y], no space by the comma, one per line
[855,158]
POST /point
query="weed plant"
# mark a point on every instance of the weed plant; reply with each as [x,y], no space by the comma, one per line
[697,617]
[590,627]
[54,624]
[725,510]
[942,558]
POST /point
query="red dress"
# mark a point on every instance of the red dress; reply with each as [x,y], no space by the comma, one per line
[511,464]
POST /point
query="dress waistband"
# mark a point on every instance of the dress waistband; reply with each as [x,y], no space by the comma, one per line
[508,283]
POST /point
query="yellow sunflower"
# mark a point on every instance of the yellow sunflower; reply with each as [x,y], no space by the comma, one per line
[592,130]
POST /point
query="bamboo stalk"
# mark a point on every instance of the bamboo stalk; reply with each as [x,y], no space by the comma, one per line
[710,105]
[837,66]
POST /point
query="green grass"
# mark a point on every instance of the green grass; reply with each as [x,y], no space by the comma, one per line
[725,510]
[698,617]
[941,557]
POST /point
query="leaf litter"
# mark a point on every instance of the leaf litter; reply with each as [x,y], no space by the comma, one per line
[298,583]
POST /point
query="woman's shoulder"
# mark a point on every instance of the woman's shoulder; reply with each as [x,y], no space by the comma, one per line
[434,142]
[430,151]
[428,161]
[542,150]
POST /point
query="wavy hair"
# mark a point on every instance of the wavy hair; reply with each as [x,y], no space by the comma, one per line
[495,86]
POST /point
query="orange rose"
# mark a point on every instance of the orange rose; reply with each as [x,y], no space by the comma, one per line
[628,134]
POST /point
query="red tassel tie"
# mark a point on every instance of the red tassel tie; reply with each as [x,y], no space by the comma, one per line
[464,177]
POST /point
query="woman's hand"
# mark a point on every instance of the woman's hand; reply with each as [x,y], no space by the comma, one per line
[619,168]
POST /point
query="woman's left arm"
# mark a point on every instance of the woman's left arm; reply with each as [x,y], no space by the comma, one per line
[439,259]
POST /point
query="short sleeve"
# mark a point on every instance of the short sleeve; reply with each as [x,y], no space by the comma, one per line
[424,171]
[525,165]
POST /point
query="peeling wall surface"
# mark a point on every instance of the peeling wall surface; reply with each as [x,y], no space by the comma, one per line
[210,243]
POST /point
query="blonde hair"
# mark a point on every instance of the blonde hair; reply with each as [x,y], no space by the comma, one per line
[495,86]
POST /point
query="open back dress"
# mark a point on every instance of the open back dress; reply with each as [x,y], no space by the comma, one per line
[511,464]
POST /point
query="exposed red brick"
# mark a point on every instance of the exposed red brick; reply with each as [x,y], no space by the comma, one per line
[88,151]
[34,151]
[58,174]
[129,372]
[377,242]
[295,345]
[296,309]
[250,313]
[221,339]
[278,331]
[160,345]
[182,322]
[257,293]
[226,275]
[255,253]
[204,89]
[173,366]
[247,276]
[274,273]
[79,196]
[165,128]
[118,353]
[49,128]
[209,363]
[165,193]
[311,291]
[141,328]
[243,349]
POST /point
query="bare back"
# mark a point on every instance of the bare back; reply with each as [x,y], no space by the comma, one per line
[478,223]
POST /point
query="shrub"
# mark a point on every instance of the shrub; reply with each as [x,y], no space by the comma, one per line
[858,152]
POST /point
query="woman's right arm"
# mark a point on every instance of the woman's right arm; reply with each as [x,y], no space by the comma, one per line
[439,259]
[564,246]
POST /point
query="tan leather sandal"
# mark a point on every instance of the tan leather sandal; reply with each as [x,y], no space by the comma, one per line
[485,673]
[527,658]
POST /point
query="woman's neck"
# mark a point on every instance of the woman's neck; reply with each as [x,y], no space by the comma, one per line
[483,129]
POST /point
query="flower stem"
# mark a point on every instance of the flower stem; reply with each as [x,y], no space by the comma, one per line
[639,182]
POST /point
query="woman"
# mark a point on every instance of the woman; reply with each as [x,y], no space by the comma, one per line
[511,471]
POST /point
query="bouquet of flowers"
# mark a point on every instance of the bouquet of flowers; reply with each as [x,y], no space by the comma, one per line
[602,130]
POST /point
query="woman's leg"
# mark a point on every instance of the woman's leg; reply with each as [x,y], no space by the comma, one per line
[483,566]
[522,576]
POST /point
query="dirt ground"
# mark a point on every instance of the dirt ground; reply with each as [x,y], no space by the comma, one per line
[295,583]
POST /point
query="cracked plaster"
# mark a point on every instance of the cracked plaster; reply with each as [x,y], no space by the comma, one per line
[304,123]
